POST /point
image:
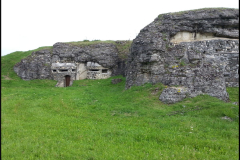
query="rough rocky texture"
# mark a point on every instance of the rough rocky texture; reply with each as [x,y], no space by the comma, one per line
[36,66]
[94,61]
[105,54]
[173,94]
[198,50]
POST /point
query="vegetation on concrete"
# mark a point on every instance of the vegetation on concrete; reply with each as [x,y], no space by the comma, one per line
[122,46]
[94,119]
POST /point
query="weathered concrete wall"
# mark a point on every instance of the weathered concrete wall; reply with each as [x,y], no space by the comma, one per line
[81,71]
[197,50]
[96,71]
[60,70]
[189,37]
[78,71]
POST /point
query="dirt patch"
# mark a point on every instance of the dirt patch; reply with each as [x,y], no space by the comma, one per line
[7,78]
[155,91]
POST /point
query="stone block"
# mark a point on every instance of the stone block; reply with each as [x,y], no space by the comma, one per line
[173,94]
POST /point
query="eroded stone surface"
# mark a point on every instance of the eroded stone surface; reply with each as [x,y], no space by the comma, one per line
[173,94]
[36,66]
[198,50]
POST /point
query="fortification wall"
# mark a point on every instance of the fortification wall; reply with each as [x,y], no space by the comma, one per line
[196,50]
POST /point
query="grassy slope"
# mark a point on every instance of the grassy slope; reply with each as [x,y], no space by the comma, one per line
[94,119]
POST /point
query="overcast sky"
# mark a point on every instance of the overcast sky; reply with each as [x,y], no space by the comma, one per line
[29,24]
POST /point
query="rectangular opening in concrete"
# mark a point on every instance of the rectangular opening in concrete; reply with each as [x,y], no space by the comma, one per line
[73,70]
[63,70]
[94,70]
[54,70]
[104,71]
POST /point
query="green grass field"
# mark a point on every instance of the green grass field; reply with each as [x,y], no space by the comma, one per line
[96,120]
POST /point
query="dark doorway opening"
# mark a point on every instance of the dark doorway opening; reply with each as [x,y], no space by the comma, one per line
[67,81]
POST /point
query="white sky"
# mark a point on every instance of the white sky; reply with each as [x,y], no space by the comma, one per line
[29,24]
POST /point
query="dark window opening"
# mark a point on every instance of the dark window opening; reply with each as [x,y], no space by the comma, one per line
[64,70]
[94,70]
[54,70]
[104,71]
[73,70]
[226,75]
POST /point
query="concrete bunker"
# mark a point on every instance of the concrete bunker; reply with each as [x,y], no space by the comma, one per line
[66,73]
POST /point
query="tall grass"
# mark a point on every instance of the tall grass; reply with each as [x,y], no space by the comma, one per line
[94,119]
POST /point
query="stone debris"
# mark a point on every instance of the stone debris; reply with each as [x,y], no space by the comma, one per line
[173,94]
[226,118]
[235,103]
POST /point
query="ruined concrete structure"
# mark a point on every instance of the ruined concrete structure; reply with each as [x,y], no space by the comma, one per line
[191,52]
[66,63]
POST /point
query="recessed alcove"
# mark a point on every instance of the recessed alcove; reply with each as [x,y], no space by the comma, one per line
[63,70]
[193,36]
[104,71]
